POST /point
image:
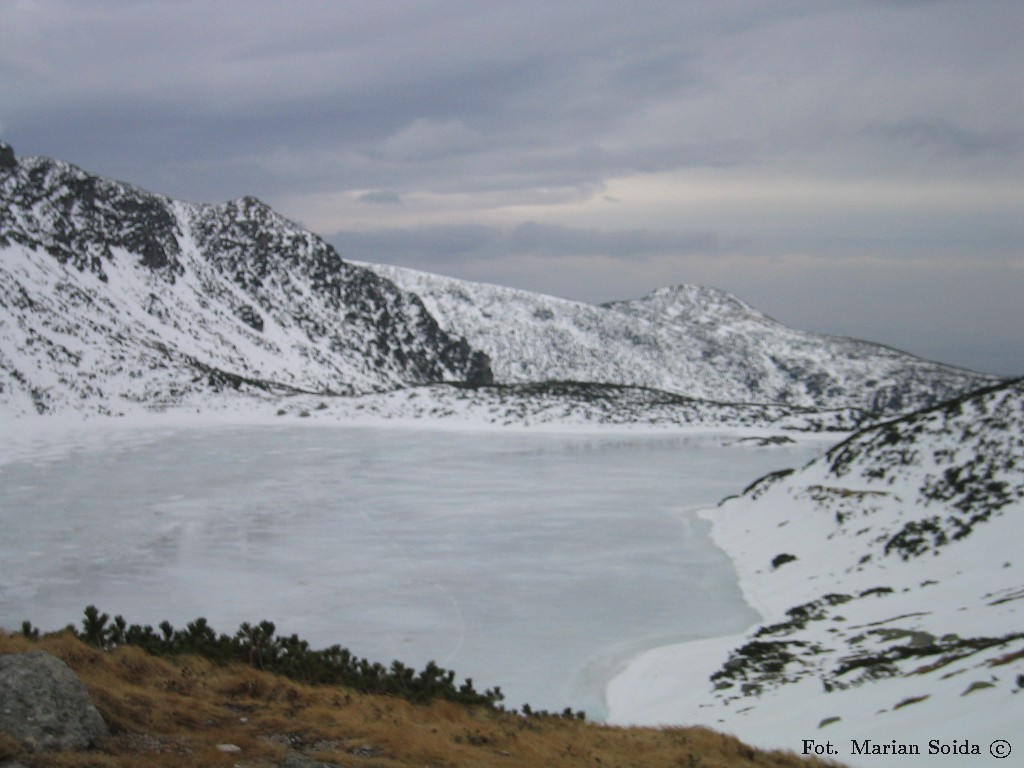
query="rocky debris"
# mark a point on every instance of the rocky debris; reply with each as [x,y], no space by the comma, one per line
[45,706]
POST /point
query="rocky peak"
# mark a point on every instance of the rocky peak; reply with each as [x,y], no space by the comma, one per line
[690,304]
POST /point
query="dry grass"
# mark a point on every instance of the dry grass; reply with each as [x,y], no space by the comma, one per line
[175,712]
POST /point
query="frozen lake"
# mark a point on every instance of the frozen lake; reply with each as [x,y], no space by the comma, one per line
[537,562]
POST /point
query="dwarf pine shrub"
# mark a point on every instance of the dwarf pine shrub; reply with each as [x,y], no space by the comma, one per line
[259,646]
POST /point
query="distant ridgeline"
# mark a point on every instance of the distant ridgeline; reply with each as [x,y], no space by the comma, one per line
[112,296]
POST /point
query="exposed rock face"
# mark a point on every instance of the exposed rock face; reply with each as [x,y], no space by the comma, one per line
[45,706]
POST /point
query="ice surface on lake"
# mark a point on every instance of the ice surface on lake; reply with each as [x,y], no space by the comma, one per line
[537,562]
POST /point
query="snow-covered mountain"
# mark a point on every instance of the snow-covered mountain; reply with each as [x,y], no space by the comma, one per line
[691,340]
[891,582]
[110,294]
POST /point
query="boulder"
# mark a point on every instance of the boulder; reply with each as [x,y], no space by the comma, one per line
[45,706]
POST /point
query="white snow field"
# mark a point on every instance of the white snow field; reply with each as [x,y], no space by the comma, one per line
[535,561]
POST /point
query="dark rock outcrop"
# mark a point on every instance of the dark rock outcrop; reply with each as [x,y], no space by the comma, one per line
[7,159]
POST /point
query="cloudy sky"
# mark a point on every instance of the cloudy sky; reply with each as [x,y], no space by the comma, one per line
[850,167]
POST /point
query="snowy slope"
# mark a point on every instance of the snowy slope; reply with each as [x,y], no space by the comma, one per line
[891,582]
[566,404]
[108,292]
[691,340]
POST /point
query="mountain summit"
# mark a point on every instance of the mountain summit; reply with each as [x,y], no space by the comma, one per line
[110,293]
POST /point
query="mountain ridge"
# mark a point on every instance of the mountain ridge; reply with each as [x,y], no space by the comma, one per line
[112,294]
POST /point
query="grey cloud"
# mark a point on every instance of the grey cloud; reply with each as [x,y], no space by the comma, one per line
[547,105]
[624,244]
[421,246]
[405,87]
[943,137]
[426,139]
[380,197]
[414,246]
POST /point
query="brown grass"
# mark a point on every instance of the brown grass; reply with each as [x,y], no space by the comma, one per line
[176,711]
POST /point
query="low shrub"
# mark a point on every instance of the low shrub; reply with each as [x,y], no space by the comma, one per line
[259,646]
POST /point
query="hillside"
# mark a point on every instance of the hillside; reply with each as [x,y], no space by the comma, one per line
[696,341]
[184,710]
[890,580]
